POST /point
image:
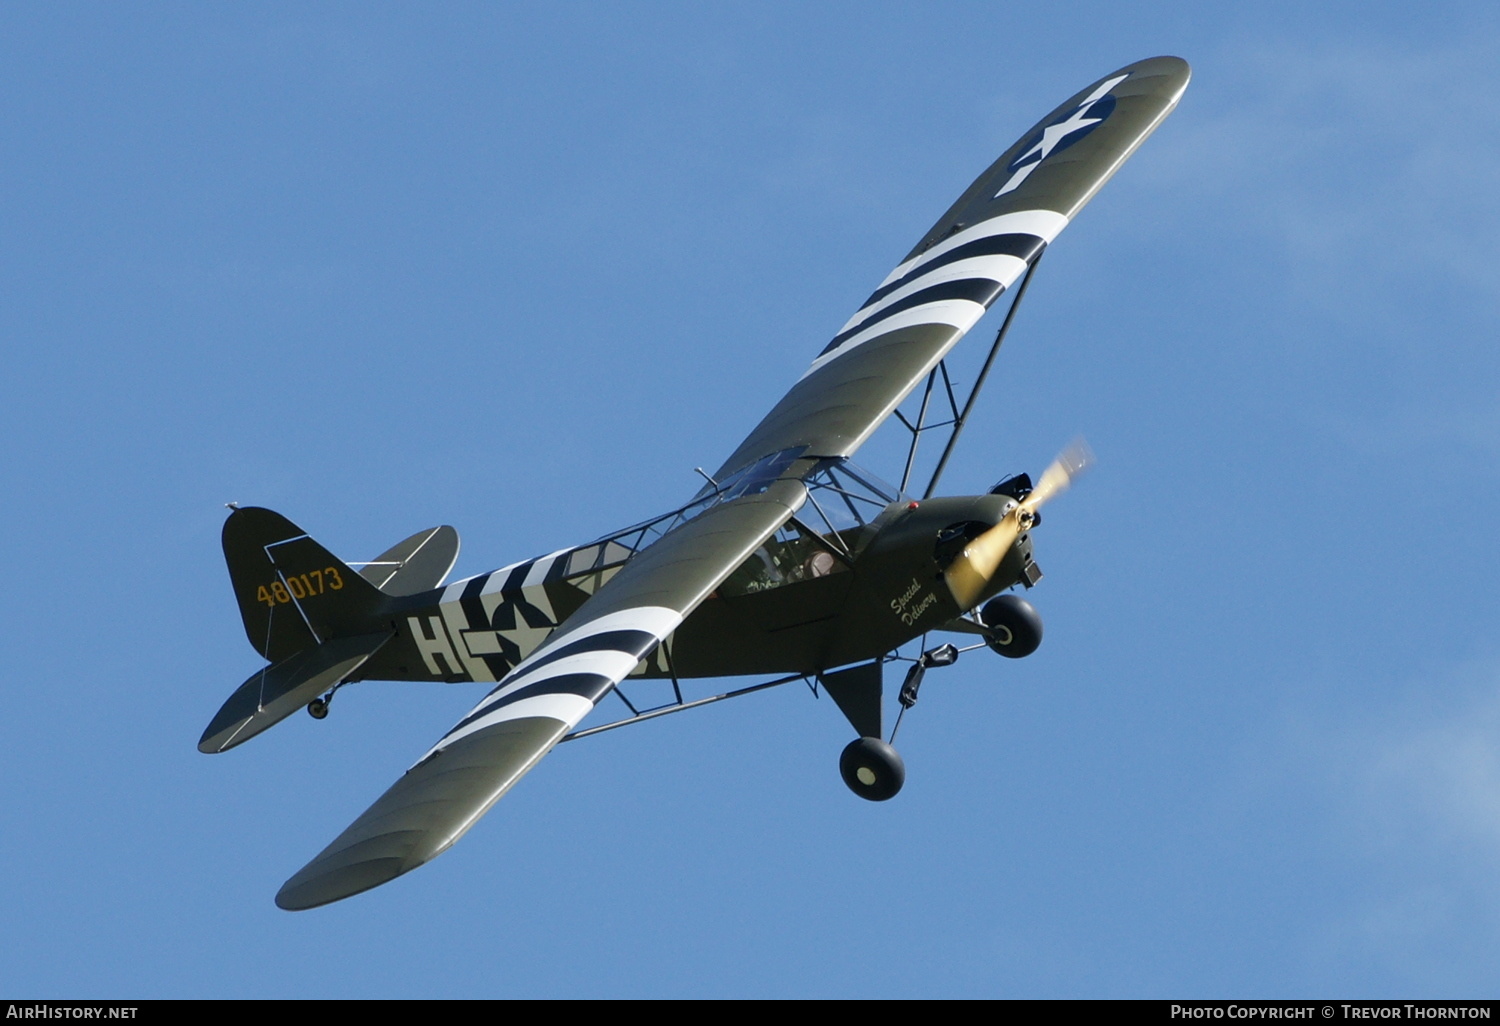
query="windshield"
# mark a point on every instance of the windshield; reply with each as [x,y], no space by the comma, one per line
[844,499]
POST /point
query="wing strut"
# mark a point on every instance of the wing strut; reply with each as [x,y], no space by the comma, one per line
[680,706]
[960,418]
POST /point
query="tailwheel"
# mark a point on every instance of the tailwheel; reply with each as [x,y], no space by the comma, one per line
[872,769]
[318,707]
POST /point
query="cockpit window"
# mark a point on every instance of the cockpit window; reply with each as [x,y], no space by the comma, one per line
[829,530]
[792,554]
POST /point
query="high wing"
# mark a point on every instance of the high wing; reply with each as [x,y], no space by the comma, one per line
[545,696]
[977,250]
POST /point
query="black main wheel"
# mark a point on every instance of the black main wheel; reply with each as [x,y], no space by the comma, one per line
[872,769]
[1015,627]
[317,709]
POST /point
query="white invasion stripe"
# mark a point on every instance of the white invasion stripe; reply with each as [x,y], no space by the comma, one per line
[454,590]
[1045,224]
[540,567]
[958,313]
[564,707]
[1000,267]
[499,577]
[606,662]
[659,621]
[492,595]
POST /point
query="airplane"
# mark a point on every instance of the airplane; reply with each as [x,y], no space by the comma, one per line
[790,561]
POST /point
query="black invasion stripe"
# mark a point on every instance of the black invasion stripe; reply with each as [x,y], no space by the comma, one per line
[470,603]
[1016,244]
[559,567]
[517,575]
[473,608]
[592,686]
[627,640]
[589,685]
[631,642]
[504,617]
[983,291]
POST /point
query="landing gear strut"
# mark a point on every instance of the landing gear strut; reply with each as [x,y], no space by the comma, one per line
[871,767]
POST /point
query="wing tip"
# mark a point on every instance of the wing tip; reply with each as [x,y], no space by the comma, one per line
[308,890]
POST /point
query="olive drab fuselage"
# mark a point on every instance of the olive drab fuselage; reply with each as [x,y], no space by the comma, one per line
[838,609]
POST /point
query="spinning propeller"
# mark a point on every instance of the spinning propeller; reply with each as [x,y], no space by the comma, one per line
[972,571]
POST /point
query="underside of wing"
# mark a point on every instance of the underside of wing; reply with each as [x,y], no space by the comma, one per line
[545,696]
[976,251]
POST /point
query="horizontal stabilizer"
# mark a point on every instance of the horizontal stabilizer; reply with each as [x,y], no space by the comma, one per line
[275,692]
[418,564]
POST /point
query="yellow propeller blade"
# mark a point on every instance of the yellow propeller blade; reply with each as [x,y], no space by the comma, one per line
[1071,462]
[972,571]
[968,575]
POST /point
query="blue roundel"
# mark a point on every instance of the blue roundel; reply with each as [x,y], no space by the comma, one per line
[1089,116]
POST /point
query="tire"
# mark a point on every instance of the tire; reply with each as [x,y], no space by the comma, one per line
[872,769]
[1014,624]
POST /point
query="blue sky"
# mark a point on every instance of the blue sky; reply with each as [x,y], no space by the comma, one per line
[520,269]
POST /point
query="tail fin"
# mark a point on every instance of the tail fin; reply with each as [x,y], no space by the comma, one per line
[293,593]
